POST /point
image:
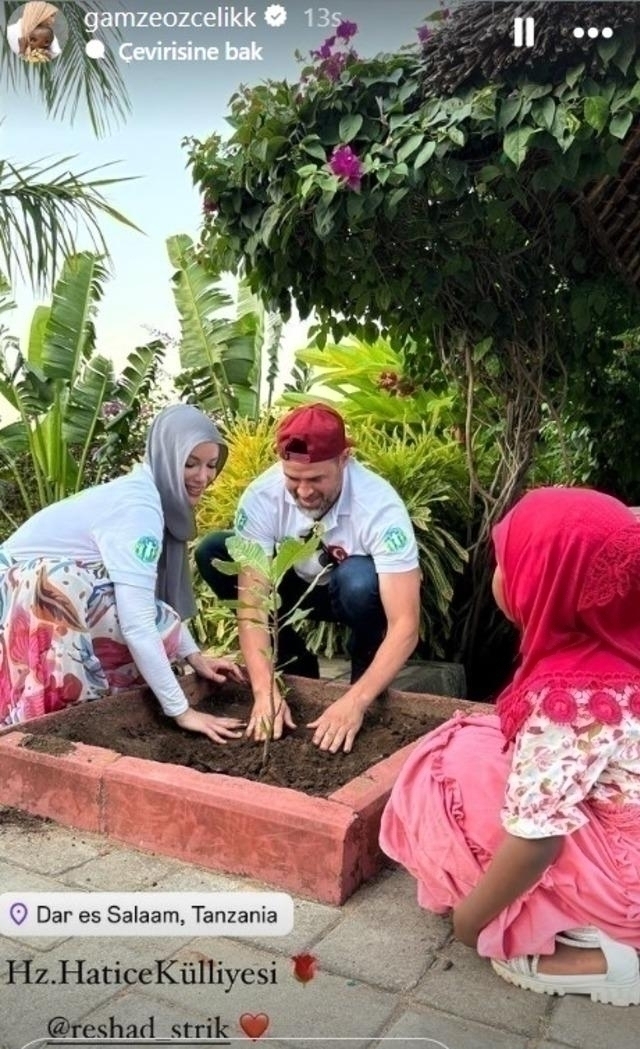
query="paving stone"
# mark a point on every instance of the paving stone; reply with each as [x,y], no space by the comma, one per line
[438,1030]
[138,1007]
[311,921]
[334,669]
[384,937]
[563,1045]
[47,847]
[195,879]
[17,879]
[328,1006]
[434,678]
[122,870]
[577,1021]
[39,1002]
[19,952]
[462,983]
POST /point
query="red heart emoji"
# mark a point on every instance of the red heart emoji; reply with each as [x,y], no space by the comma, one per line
[254,1025]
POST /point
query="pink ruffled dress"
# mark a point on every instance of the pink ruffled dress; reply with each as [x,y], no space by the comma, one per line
[561,756]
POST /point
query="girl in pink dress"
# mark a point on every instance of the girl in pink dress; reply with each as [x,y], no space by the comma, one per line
[527,823]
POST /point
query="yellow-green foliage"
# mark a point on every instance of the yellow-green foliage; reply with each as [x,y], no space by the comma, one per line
[251,451]
[429,473]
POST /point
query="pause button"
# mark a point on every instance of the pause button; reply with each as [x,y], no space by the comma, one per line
[523,32]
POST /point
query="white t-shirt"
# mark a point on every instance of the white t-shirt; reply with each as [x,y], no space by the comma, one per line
[368,518]
[14,32]
[119,523]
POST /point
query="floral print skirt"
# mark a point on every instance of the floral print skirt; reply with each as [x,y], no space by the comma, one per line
[60,640]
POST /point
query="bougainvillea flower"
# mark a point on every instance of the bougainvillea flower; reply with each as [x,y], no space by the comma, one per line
[347,165]
[326,50]
[424,34]
[346,29]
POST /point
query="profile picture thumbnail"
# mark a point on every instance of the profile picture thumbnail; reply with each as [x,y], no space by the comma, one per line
[37,32]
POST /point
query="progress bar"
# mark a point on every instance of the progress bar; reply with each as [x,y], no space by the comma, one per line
[40,1043]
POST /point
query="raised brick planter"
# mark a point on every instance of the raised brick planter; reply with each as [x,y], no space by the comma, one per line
[320,848]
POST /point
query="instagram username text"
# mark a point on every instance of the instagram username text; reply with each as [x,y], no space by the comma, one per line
[227,16]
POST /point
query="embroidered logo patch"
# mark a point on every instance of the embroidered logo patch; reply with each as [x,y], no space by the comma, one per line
[241,520]
[395,540]
[147,549]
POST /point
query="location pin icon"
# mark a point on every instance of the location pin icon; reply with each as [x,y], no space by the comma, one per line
[18,912]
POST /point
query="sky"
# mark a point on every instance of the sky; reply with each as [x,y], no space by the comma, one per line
[171,100]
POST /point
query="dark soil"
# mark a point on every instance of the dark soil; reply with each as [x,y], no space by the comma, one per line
[24,820]
[293,760]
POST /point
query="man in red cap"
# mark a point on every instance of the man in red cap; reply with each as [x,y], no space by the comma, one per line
[367,564]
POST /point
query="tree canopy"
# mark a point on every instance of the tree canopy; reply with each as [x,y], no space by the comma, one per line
[438,195]
[365,194]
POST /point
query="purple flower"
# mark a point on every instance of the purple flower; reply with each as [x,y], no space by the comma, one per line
[346,29]
[111,408]
[424,34]
[326,50]
[333,66]
[346,165]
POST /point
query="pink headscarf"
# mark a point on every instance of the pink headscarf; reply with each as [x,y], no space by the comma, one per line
[570,559]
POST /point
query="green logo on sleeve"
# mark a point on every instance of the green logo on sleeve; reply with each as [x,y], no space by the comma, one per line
[241,520]
[395,540]
[147,549]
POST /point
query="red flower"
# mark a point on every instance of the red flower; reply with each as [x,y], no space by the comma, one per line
[560,706]
[346,165]
[605,708]
[634,703]
[304,967]
[513,716]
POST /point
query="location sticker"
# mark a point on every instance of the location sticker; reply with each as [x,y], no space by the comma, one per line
[18,912]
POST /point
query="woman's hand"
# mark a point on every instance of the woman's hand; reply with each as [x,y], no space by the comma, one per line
[218,670]
[220,730]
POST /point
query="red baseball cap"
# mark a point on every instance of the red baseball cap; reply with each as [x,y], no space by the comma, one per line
[311,433]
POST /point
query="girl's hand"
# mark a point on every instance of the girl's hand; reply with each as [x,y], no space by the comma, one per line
[220,730]
[218,670]
[465,925]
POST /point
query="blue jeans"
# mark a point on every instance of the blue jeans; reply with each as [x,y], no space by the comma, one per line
[351,596]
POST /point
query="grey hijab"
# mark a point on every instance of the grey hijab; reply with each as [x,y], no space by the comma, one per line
[173,435]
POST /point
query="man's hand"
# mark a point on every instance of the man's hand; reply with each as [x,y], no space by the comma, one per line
[218,729]
[338,725]
[215,669]
[261,716]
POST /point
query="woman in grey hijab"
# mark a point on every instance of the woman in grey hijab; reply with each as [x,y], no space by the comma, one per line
[94,589]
